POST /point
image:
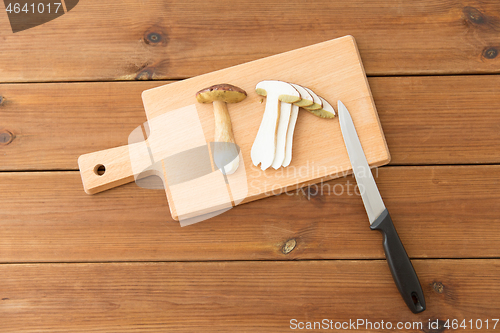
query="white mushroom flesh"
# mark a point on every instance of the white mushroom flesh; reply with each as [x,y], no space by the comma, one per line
[264,147]
[283,122]
[317,101]
[274,141]
[289,135]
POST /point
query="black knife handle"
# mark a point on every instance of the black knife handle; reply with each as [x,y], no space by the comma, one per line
[401,268]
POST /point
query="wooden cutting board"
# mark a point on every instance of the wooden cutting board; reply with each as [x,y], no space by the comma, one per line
[332,69]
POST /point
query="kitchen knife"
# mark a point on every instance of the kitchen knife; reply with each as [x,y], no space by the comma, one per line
[401,268]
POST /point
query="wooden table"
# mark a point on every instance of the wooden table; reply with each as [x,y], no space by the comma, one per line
[117,262]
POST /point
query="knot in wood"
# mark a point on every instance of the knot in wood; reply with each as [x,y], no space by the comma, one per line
[289,246]
[438,287]
[474,15]
[490,53]
[153,37]
[6,137]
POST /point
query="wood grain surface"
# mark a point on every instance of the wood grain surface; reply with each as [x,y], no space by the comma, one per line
[148,39]
[117,262]
[52,124]
[238,296]
[439,212]
[178,124]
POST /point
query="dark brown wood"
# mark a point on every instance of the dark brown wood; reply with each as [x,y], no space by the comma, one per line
[134,40]
[439,212]
[430,120]
[239,296]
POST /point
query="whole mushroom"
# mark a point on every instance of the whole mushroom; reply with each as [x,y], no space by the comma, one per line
[225,151]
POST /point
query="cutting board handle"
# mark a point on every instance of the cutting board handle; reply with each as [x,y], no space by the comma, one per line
[105,169]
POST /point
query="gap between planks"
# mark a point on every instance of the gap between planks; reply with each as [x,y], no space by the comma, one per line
[171,80]
[384,166]
[234,261]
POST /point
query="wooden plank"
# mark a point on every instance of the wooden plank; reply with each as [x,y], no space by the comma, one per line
[53,124]
[440,120]
[174,39]
[47,217]
[178,124]
[239,296]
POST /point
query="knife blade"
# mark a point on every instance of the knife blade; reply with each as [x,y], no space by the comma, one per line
[400,265]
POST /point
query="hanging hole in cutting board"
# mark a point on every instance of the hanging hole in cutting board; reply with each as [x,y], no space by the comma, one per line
[99,169]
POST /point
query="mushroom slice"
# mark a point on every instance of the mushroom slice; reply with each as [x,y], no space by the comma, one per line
[287,111]
[306,98]
[317,105]
[289,135]
[264,146]
[326,112]
[283,128]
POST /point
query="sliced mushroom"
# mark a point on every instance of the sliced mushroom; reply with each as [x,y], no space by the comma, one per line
[317,105]
[275,136]
[283,124]
[306,98]
[284,156]
[264,146]
[284,128]
[326,112]
[289,136]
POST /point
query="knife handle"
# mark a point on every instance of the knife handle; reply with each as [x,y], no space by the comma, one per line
[401,268]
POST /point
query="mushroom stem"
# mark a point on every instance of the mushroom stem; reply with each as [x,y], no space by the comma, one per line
[264,146]
[281,134]
[223,127]
[289,135]
[225,152]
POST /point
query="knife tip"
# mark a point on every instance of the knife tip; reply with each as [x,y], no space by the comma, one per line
[341,107]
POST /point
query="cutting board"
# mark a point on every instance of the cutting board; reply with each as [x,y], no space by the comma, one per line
[176,123]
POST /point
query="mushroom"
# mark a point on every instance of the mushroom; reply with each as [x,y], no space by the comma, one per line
[279,96]
[306,97]
[225,154]
[285,130]
[289,136]
[317,105]
[273,144]
[283,123]
[326,111]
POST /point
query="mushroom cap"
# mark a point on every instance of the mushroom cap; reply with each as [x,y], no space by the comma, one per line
[284,90]
[326,112]
[221,92]
[306,98]
[317,105]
